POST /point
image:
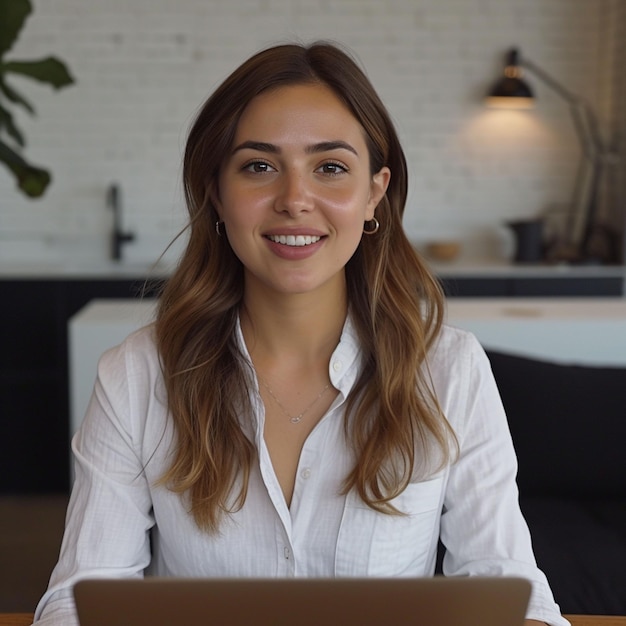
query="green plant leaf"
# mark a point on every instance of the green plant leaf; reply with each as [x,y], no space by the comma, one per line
[6,121]
[14,96]
[50,70]
[32,180]
[13,14]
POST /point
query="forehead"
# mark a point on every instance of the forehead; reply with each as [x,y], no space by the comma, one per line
[308,111]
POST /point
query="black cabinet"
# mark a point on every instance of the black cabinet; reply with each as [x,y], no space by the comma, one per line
[520,286]
[34,382]
[476,287]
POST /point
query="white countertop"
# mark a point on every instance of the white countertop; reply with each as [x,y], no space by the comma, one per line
[589,331]
[597,309]
[77,269]
[461,268]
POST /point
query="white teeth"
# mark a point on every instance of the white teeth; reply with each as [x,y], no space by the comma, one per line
[294,240]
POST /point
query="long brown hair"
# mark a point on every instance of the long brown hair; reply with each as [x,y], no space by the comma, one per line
[392,417]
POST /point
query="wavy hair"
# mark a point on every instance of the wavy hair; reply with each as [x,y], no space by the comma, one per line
[392,419]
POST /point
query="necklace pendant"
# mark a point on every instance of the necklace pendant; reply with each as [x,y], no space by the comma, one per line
[294,419]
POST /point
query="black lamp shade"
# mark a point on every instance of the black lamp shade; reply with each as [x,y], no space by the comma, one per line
[511,91]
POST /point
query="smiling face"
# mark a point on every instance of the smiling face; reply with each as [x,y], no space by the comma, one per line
[295,191]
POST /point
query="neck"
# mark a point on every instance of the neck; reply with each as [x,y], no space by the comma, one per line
[300,328]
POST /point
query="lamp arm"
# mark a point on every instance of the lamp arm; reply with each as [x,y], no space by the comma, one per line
[586,129]
[585,120]
[550,81]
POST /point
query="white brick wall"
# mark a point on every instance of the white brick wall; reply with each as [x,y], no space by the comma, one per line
[617,80]
[144,66]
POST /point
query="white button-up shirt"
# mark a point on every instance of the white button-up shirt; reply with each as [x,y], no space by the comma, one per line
[120,524]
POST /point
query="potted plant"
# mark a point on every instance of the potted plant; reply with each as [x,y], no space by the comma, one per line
[31,180]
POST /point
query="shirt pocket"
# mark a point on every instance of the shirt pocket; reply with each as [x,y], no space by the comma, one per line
[377,544]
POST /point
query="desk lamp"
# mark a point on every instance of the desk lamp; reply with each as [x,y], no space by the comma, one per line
[512,91]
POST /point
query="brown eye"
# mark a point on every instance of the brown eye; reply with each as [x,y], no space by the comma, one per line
[332,169]
[258,167]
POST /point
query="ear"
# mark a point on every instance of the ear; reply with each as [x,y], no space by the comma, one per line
[378,187]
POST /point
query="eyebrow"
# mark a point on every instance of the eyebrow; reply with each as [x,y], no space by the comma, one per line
[323,146]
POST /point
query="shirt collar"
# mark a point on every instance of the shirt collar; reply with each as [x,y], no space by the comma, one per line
[345,362]
[343,368]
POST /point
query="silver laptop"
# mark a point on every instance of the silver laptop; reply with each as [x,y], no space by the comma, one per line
[439,601]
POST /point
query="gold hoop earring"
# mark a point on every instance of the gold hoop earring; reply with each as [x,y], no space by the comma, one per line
[375,228]
[218,229]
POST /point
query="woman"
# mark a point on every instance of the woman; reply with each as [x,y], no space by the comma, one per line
[297,409]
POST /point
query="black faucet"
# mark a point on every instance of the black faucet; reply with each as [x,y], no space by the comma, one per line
[118,236]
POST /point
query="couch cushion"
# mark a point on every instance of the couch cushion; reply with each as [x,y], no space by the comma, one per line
[568,424]
[581,547]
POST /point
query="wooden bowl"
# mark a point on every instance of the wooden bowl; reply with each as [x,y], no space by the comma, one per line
[443,250]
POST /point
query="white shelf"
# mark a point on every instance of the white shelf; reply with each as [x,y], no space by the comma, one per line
[81,270]
[501,269]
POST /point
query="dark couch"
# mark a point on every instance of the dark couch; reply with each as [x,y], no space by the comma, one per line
[568,425]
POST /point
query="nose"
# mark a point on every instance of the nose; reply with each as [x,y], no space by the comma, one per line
[294,195]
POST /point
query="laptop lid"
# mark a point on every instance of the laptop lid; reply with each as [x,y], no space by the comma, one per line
[438,601]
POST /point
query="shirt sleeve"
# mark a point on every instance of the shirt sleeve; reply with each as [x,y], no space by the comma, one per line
[110,513]
[482,526]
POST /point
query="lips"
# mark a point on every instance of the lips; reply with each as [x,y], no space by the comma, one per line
[294,240]
[296,244]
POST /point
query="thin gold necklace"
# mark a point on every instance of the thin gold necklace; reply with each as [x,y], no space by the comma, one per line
[294,419]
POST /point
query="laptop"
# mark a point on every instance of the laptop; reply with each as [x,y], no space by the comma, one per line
[439,601]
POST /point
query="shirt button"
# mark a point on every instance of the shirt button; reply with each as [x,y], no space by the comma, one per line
[305,473]
[337,365]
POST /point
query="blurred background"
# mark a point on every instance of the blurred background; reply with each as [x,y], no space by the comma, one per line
[143,67]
